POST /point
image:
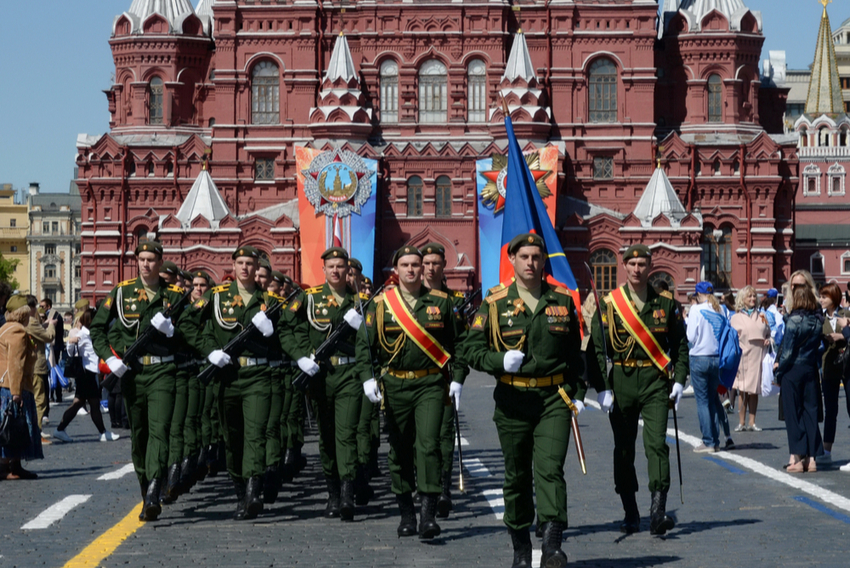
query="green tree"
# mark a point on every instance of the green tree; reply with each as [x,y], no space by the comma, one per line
[7,272]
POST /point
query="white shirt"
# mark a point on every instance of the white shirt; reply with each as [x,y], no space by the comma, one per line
[701,338]
[83,348]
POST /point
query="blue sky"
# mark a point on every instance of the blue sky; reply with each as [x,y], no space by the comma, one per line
[56,62]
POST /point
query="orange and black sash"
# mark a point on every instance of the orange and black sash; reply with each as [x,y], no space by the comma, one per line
[638,329]
[413,329]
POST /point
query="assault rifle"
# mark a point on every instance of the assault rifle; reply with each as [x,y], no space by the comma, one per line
[466,309]
[131,355]
[236,345]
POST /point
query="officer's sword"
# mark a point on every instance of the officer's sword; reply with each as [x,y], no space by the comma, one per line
[575,429]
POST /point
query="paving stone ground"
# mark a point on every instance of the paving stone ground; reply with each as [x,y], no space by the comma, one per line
[732,516]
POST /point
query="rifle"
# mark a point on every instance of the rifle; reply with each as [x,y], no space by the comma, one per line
[132,353]
[329,346]
[235,345]
[466,309]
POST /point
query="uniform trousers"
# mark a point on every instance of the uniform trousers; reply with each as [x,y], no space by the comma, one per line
[447,437]
[210,423]
[292,417]
[273,432]
[368,431]
[244,405]
[337,399]
[194,405]
[178,417]
[149,397]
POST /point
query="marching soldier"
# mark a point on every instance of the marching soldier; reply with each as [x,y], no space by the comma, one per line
[527,335]
[412,332]
[148,392]
[645,338]
[170,272]
[277,282]
[245,381]
[264,274]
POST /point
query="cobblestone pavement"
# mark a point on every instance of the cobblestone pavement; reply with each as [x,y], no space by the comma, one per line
[740,507]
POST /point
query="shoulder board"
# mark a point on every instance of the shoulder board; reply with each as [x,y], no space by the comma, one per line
[562,290]
[458,294]
[221,288]
[666,294]
[129,282]
[276,297]
[378,299]
[607,299]
[175,288]
[498,295]
[313,290]
[496,288]
[363,297]
[439,293]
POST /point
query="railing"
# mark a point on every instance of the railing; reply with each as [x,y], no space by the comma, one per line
[13,232]
[824,152]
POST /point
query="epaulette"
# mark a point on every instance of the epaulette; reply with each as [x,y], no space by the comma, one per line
[439,294]
[176,288]
[562,290]
[457,294]
[378,299]
[666,294]
[607,299]
[313,290]
[496,288]
[275,296]
[495,296]
[129,282]
[220,288]
[363,296]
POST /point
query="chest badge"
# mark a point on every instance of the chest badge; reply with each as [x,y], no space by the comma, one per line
[143,296]
[519,306]
[237,302]
[433,313]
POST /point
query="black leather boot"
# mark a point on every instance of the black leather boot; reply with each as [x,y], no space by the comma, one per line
[143,485]
[152,506]
[363,492]
[287,470]
[407,526]
[553,556]
[172,490]
[271,485]
[428,527]
[332,508]
[346,500]
[631,523]
[521,541]
[300,459]
[444,501]
[253,497]
[187,473]
[201,466]
[240,487]
[212,460]
[659,522]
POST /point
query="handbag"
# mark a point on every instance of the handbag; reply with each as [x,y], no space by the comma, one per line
[14,432]
[767,386]
[73,369]
[60,378]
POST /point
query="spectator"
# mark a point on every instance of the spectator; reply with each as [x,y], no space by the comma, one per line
[774,317]
[727,305]
[705,364]
[5,294]
[17,358]
[797,374]
[88,389]
[754,337]
[40,338]
[833,371]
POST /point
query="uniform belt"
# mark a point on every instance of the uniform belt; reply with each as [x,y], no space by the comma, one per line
[532,381]
[252,361]
[398,373]
[638,363]
[189,364]
[154,360]
[336,361]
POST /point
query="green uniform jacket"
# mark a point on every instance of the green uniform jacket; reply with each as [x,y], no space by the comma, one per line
[129,307]
[435,311]
[550,336]
[661,315]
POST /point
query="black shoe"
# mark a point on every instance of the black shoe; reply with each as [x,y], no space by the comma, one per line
[271,485]
[346,500]
[187,474]
[538,527]
[444,501]
[201,466]
[428,527]
[659,522]
[152,508]
[143,485]
[287,471]
[417,498]
[212,460]
[240,487]
[253,499]
[172,490]
[552,556]
[521,541]
[332,508]
[407,526]
[363,492]
[300,461]
[730,444]
[631,523]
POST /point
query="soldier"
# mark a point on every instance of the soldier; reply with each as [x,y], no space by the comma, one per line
[245,381]
[412,332]
[355,274]
[264,274]
[276,283]
[645,338]
[200,418]
[170,273]
[148,392]
[527,335]
[367,287]
[335,392]
[433,264]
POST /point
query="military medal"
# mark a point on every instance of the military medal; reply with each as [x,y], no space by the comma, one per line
[324,311]
[510,322]
[133,307]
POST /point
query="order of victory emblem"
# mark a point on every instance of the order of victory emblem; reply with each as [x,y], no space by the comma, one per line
[337,183]
[493,193]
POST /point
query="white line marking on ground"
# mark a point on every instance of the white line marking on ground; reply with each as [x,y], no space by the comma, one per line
[536,555]
[55,512]
[476,468]
[497,502]
[118,473]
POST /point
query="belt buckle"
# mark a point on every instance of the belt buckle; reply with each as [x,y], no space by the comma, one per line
[532,382]
[411,374]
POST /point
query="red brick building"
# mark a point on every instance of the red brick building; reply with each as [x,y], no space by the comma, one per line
[616,86]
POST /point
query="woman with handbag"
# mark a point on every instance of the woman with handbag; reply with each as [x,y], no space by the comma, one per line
[88,388]
[754,337]
[833,364]
[21,435]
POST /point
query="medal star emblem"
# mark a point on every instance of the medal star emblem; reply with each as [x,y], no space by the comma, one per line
[337,183]
[493,192]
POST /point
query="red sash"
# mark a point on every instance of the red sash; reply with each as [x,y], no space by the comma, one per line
[638,330]
[413,329]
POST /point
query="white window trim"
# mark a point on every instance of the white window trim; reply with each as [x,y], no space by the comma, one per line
[811,171]
[814,257]
[844,257]
[836,171]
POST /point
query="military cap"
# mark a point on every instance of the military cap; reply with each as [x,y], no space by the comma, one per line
[81,305]
[434,248]
[354,263]
[15,302]
[335,252]
[404,251]
[200,274]
[367,280]
[278,277]
[525,240]
[187,275]
[637,251]
[149,246]
[264,263]
[170,268]
[248,251]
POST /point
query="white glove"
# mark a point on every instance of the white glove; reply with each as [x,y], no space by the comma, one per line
[307,365]
[353,319]
[117,366]
[676,395]
[513,360]
[606,400]
[219,358]
[454,393]
[263,323]
[579,406]
[372,392]
[163,325]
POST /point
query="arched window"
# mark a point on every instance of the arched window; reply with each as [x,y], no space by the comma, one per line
[265,94]
[604,265]
[716,167]
[603,91]
[444,196]
[477,91]
[811,180]
[151,169]
[715,99]
[155,96]
[389,91]
[816,264]
[842,137]
[804,137]
[414,197]
[823,137]
[433,92]
[717,256]
[661,279]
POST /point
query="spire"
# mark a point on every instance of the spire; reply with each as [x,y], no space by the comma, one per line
[659,198]
[205,12]
[203,199]
[341,65]
[824,86]
[519,61]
